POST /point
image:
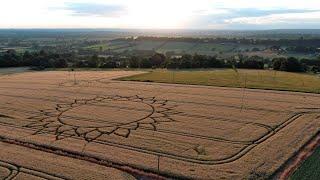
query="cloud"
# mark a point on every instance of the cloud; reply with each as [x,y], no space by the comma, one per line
[259,18]
[201,14]
[252,12]
[94,9]
[227,14]
[286,18]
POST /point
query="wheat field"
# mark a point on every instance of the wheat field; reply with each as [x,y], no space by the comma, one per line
[87,123]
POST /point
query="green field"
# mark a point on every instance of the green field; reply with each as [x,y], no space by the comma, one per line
[256,79]
[114,45]
[98,46]
[148,45]
[310,169]
[14,70]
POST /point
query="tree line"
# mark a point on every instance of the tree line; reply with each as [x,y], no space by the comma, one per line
[43,59]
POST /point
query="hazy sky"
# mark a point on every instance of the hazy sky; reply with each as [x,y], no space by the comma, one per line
[163,14]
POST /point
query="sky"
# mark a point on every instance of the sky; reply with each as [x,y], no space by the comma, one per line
[161,14]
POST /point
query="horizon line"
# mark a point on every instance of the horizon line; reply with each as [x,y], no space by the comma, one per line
[161,29]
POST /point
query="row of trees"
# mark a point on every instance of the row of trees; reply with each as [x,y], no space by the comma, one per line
[35,59]
[192,61]
[288,64]
[161,61]
[55,60]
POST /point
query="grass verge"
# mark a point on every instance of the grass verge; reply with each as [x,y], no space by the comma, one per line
[310,169]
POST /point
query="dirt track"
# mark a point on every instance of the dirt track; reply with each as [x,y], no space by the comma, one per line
[176,130]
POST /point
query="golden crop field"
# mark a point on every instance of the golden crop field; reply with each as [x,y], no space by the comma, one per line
[71,125]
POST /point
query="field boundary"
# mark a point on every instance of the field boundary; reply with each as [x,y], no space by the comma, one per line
[292,164]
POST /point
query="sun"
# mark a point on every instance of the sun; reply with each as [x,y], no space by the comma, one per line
[102,115]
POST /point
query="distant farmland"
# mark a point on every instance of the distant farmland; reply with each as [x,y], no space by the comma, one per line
[180,47]
[176,47]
